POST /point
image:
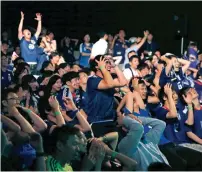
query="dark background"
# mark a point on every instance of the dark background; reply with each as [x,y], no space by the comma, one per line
[74,19]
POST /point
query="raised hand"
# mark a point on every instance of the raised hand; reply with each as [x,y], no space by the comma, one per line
[116,36]
[101,63]
[69,104]
[53,102]
[188,99]
[22,15]
[168,89]
[146,33]
[36,141]
[38,16]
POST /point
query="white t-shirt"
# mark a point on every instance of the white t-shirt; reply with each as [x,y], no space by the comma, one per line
[128,74]
[99,48]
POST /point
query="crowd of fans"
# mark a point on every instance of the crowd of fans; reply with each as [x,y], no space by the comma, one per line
[124,105]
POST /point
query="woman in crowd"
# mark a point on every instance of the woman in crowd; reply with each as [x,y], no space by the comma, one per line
[85,51]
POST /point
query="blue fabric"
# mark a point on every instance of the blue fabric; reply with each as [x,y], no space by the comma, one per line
[29,49]
[6,79]
[177,79]
[197,129]
[100,102]
[62,93]
[27,153]
[175,128]
[84,59]
[83,101]
[119,49]
[150,47]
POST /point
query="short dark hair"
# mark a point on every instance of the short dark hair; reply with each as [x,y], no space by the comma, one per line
[69,76]
[131,52]
[101,34]
[20,68]
[5,93]
[18,86]
[44,65]
[61,66]
[182,92]
[93,62]
[143,66]
[85,70]
[53,54]
[4,42]
[134,57]
[27,79]
[61,134]
[16,61]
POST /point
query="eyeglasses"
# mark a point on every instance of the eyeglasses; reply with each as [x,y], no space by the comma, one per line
[13,98]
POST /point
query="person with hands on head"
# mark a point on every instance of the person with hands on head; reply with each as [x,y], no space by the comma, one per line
[81,122]
[100,87]
[193,127]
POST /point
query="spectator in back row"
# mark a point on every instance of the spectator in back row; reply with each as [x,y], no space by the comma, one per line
[120,46]
[85,51]
[6,76]
[100,47]
[29,48]
[68,46]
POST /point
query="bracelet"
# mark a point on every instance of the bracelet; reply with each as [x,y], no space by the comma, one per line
[56,113]
[38,154]
[113,155]
[104,138]
[28,111]
[75,111]
[189,107]
[101,67]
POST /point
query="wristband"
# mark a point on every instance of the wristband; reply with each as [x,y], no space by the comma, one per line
[104,138]
[189,107]
[28,111]
[38,154]
[56,113]
[75,111]
[101,67]
[113,155]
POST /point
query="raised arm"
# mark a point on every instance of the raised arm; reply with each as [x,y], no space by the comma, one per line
[24,124]
[188,100]
[11,125]
[146,33]
[83,123]
[172,107]
[107,81]
[20,34]
[39,125]
[76,41]
[195,71]
[114,40]
[53,45]
[185,64]
[38,30]
[56,111]
[168,64]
